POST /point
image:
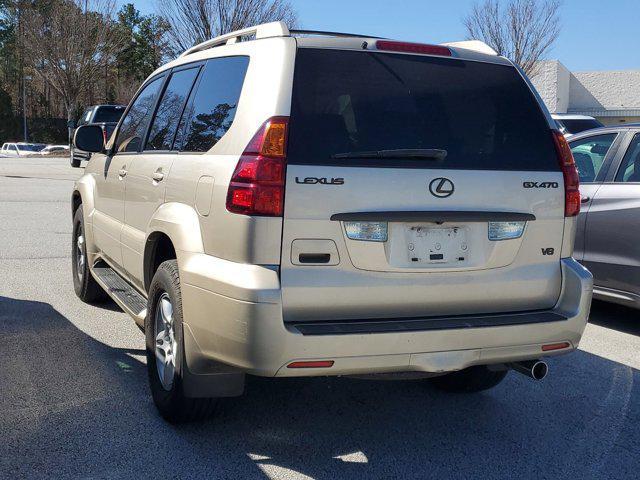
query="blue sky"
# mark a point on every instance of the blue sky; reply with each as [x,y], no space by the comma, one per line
[596,34]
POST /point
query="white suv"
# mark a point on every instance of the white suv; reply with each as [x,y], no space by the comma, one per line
[306,204]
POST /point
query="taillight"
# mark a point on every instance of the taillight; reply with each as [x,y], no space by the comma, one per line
[104,136]
[257,184]
[570,174]
[408,47]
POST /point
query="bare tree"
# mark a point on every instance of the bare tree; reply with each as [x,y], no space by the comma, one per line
[194,21]
[521,30]
[68,43]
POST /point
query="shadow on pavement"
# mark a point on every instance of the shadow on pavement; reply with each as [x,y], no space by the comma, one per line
[616,317]
[74,407]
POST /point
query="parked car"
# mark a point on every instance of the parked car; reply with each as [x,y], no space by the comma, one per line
[107,117]
[369,206]
[20,149]
[570,124]
[608,161]
[55,150]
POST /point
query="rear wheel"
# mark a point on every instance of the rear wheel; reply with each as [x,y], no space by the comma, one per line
[85,286]
[165,349]
[469,380]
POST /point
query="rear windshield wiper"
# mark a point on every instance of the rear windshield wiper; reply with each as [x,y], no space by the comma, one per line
[418,153]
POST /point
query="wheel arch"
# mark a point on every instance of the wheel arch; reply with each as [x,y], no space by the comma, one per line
[174,228]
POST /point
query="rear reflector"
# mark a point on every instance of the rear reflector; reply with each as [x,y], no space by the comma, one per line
[257,184]
[312,364]
[569,173]
[555,346]
[408,47]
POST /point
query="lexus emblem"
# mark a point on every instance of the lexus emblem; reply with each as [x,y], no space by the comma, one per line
[441,187]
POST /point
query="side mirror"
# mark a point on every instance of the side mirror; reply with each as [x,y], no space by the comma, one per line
[89,138]
[71,124]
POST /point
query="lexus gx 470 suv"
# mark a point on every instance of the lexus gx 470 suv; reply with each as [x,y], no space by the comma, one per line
[287,203]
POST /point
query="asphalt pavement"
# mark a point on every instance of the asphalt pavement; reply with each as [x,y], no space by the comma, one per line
[74,400]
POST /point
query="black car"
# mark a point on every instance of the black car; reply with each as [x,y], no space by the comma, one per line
[107,116]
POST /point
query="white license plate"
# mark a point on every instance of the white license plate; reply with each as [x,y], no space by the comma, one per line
[433,245]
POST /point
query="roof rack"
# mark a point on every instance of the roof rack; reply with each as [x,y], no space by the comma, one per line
[280,29]
[265,30]
[329,34]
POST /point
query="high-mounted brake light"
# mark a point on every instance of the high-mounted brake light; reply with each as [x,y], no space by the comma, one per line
[257,184]
[570,174]
[408,47]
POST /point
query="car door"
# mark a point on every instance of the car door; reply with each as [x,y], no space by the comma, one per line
[108,217]
[148,171]
[592,155]
[612,250]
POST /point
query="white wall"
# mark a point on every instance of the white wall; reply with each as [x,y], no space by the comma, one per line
[552,81]
[615,90]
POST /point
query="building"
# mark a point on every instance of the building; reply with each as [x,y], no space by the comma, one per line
[613,97]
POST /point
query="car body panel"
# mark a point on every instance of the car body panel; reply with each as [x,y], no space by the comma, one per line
[606,241]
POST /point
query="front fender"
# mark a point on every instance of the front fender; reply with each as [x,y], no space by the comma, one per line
[83,189]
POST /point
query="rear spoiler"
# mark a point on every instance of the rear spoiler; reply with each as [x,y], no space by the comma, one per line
[473,45]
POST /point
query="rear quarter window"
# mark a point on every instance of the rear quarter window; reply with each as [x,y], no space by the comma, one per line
[212,105]
[484,115]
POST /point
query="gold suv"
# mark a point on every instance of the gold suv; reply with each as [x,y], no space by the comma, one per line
[288,203]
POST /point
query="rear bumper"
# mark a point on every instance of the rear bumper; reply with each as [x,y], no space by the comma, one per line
[239,323]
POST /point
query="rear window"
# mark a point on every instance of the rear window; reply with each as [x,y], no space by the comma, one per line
[108,114]
[577,126]
[483,115]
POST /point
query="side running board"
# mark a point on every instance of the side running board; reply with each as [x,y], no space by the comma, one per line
[129,299]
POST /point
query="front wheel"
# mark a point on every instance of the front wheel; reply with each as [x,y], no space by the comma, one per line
[165,349]
[75,162]
[470,380]
[85,286]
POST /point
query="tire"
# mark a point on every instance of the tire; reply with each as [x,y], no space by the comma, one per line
[165,379]
[75,162]
[85,286]
[470,380]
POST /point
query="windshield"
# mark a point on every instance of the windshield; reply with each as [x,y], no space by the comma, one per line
[482,115]
[577,126]
[30,147]
[108,114]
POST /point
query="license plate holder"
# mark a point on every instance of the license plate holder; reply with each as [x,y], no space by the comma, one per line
[428,245]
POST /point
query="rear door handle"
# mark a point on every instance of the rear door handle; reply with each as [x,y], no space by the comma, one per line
[122,172]
[584,199]
[157,176]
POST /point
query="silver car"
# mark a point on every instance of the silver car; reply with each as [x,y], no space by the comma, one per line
[608,161]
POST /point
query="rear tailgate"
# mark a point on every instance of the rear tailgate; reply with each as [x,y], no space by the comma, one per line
[436,255]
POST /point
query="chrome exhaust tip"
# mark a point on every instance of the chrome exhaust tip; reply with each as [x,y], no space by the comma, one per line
[536,369]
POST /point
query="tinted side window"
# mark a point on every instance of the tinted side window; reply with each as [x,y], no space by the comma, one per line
[213,105]
[165,123]
[86,115]
[630,168]
[589,154]
[135,122]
